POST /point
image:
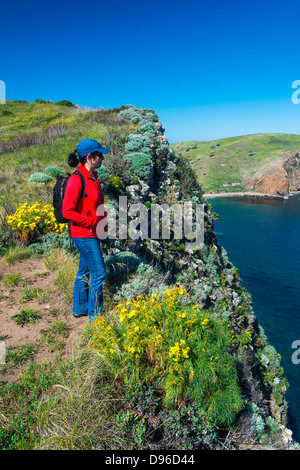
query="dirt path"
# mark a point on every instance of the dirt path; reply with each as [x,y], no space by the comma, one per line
[55,315]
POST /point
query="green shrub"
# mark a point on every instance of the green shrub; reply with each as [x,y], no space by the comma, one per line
[272,424]
[66,103]
[187,428]
[145,118]
[103,175]
[40,178]
[53,172]
[149,114]
[120,266]
[43,101]
[51,241]
[131,113]
[148,128]
[139,163]
[184,350]
[142,282]
[189,185]
[138,143]
[8,236]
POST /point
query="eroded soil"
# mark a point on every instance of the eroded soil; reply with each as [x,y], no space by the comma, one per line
[56,331]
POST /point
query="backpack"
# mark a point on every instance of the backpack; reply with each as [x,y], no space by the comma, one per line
[59,193]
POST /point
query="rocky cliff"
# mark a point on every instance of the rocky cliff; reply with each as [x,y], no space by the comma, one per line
[207,274]
[281,180]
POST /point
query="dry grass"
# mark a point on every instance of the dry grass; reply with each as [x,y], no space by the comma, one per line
[17,253]
[79,412]
[32,138]
[64,266]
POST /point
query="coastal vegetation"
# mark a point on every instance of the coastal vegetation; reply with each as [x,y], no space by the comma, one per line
[178,360]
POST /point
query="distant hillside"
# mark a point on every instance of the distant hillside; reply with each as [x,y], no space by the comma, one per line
[266,163]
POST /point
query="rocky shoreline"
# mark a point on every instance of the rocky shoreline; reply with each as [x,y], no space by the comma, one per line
[249,194]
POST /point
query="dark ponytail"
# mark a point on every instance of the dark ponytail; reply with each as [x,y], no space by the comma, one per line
[73,160]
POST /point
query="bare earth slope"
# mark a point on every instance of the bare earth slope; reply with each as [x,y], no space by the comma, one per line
[55,330]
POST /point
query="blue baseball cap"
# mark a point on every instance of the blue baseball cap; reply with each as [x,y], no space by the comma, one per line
[87,146]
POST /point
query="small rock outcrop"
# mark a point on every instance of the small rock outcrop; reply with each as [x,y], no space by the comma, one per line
[283,180]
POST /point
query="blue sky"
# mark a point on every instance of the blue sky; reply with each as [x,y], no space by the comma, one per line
[209,69]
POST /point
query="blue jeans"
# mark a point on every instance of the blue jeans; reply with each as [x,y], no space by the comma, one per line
[88,294]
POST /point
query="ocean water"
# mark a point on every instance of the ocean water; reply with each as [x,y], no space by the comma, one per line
[262,239]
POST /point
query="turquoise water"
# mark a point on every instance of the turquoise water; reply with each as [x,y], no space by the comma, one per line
[262,239]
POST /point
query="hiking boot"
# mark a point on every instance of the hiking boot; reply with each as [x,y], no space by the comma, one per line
[79,315]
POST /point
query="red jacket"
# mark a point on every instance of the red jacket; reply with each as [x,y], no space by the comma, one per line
[82,212]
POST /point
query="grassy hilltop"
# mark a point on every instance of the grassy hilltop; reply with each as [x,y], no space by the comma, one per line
[178,360]
[36,135]
[227,165]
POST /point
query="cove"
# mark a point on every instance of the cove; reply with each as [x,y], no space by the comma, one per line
[262,239]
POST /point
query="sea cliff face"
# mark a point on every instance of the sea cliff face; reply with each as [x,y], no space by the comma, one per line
[212,281]
[283,180]
[292,168]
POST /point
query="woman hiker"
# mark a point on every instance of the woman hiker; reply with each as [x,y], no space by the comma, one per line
[81,210]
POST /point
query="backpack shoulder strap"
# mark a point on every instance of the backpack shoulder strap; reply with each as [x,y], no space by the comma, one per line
[83,193]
